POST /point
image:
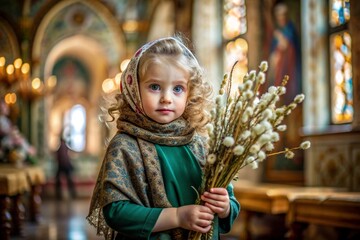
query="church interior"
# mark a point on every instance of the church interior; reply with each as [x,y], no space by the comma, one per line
[60,66]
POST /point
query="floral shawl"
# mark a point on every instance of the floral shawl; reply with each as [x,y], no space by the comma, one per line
[131,169]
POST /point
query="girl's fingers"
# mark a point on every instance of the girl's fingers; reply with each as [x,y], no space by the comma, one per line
[213,199]
[204,223]
[215,209]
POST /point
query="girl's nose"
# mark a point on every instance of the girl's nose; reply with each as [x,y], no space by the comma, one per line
[165,98]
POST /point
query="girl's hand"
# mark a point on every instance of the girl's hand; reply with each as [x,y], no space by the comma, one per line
[218,201]
[195,217]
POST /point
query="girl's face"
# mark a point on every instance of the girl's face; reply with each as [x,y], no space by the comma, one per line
[164,92]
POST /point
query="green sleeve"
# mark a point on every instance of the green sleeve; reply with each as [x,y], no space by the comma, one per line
[130,219]
[225,224]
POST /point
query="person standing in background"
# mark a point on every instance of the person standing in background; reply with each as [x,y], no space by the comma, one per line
[64,168]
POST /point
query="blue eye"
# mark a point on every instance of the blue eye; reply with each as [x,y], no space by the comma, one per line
[154,87]
[178,89]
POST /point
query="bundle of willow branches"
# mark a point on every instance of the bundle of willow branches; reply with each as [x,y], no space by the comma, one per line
[244,127]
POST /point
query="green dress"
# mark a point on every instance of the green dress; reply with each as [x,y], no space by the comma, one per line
[181,172]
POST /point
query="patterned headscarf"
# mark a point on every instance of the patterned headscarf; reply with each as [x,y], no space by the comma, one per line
[129,78]
[131,168]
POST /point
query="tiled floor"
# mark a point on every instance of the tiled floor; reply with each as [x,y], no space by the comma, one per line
[61,220]
[64,220]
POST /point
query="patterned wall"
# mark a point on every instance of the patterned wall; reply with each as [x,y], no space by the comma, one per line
[334,161]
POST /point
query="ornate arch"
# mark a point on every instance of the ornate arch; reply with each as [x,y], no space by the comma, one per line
[39,52]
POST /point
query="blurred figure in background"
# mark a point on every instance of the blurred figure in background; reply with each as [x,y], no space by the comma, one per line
[283,50]
[64,168]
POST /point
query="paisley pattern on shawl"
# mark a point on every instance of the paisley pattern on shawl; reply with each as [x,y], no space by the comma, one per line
[131,168]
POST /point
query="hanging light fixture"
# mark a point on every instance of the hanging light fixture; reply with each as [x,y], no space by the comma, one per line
[15,81]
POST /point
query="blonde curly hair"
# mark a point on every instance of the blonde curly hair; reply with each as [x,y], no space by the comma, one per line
[200,91]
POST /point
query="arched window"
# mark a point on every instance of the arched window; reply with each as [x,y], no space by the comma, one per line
[235,46]
[75,127]
[342,108]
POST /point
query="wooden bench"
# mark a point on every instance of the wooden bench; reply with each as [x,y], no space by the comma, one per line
[269,199]
[334,209]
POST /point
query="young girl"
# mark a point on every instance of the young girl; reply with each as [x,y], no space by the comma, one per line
[145,187]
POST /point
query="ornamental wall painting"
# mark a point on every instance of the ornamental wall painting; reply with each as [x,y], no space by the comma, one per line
[282,50]
[73,78]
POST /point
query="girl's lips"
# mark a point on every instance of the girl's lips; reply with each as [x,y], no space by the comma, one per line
[164,110]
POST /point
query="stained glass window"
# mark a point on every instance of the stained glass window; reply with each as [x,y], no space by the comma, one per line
[340,59]
[235,46]
[237,51]
[339,12]
[234,18]
[341,74]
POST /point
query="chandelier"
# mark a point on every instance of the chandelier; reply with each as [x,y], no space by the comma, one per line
[15,81]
